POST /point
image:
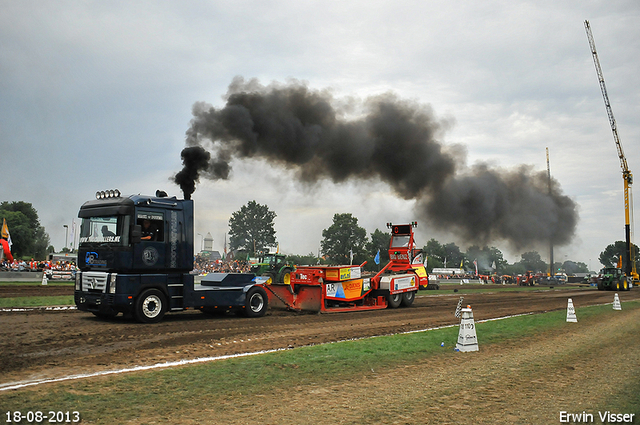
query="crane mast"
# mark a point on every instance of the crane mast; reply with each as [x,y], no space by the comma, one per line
[630,268]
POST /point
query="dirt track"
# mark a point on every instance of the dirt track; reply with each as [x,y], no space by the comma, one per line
[39,344]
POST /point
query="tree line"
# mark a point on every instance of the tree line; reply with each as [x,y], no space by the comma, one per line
[345,242]
[29,238]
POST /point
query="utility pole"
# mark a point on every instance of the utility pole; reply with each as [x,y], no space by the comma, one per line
[551,271]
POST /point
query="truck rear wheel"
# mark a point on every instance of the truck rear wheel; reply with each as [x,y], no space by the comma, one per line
[150,306]
[408,298]
[285,276]
[394,300]
[271,276]
[256,302]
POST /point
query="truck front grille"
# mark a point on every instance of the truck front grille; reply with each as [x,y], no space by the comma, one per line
[94,281]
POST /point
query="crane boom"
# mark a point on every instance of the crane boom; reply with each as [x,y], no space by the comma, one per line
[605,96]
[630,268]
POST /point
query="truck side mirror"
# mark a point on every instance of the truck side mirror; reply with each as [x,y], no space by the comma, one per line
[136,233]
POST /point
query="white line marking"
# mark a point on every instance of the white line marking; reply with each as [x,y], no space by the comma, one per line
[30,383]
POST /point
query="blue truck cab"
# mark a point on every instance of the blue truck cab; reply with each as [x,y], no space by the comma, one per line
[135,256]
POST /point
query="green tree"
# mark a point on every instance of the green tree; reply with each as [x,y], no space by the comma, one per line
[452,256]
[609,257]
[251,228]
[571,267]
[28,236]
[514,269]
[435,254]
[489,260]
[343,237]
[531,261]
[379,241]
[310,259]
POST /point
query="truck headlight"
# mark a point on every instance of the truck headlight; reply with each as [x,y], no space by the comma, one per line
[78,281]
[112,283]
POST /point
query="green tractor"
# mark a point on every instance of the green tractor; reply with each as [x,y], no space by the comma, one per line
[274,266]
[613,279]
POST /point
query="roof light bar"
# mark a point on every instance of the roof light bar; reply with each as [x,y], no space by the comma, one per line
[104,194]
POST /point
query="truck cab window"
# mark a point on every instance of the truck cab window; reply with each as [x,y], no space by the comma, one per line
[152,226]
[104,230]
[400,241]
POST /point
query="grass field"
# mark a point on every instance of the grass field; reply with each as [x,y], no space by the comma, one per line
[241,388]
[19,302]
[37,301]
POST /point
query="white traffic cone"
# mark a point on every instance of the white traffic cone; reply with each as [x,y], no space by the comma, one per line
[571,312]
[616,303]
[467,339]
[44,278]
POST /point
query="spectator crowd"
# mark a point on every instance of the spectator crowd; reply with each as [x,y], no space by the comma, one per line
[18,265]
[203,266]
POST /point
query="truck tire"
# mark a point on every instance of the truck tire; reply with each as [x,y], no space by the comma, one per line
[256,303]
[408,298]
[624,285]
[285,276]
[150,306]
[394,300]
[271,276]
[615,285]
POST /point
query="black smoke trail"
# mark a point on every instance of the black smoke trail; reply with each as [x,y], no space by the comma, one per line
[394,140]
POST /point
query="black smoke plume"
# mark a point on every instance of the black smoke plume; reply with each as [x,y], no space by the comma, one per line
[195,159]
[390,139]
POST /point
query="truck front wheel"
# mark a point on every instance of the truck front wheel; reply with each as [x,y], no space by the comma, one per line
[256,303]
[150,306]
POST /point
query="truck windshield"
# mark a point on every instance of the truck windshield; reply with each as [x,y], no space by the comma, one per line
[111,230]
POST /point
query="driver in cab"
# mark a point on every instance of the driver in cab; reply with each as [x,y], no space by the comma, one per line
[149,231]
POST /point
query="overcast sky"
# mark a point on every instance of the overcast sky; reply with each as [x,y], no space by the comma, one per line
[98,95]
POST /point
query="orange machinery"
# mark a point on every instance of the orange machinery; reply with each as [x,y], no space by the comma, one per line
[349,288]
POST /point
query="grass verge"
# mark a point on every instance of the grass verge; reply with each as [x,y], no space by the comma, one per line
[19,302]
[172,392]
[478,289]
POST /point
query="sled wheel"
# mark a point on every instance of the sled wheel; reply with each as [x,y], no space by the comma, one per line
[394,300]
[408,298]
[150,306]
[256,302]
